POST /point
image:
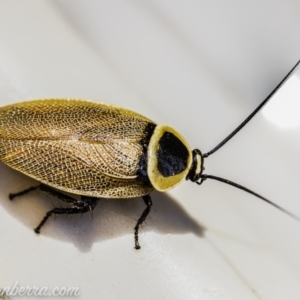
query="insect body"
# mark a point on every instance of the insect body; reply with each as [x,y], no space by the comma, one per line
[93,150]
[97,150]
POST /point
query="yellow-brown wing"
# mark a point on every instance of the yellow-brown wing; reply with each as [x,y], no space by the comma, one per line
[77,146]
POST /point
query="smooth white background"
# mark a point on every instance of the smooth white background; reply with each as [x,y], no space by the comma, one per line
[201,67]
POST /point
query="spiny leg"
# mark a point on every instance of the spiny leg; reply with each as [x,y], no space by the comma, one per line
[11,196]
[86,204]
[46,189]
[83,205]
[148,202]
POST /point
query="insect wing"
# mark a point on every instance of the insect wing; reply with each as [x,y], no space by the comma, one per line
[76,146]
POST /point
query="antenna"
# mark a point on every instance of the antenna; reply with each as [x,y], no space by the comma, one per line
[205,176]
[233,133]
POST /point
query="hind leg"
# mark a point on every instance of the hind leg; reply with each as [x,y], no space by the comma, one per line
[81,206]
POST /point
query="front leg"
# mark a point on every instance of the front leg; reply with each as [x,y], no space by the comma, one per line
[148,202]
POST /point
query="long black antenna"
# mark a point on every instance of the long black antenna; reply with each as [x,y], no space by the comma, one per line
[205,176]
[233,133]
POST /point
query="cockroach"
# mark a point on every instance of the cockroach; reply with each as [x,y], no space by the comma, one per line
[97,150]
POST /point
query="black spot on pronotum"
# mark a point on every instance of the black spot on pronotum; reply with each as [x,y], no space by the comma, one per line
[172,155]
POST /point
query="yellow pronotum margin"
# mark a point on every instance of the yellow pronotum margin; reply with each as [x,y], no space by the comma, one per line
[158,181]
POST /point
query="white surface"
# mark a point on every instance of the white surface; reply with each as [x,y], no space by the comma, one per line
[201,67]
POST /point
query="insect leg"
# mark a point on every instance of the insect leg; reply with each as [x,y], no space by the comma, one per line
[46,189]
[84,201]
[83,205]
[56,194]
[148,202]
[11,196]
[79,207]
